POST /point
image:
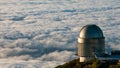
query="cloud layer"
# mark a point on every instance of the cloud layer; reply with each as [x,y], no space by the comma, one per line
[43,33]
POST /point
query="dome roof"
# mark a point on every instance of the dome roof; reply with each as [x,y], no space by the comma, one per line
[91,31]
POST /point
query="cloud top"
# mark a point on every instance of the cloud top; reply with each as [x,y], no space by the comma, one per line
[44,34]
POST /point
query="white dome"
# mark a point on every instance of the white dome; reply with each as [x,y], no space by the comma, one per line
[91,31]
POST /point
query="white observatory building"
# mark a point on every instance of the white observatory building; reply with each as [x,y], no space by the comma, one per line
[91,40]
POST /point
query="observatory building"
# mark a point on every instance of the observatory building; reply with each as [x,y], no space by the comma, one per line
[91,44]
[91,40]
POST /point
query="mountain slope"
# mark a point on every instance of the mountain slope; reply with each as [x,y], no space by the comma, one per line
[91,64]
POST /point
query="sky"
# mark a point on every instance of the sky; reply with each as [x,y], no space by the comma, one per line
[43,33]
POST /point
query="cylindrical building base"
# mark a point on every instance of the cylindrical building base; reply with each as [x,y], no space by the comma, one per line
[85,59]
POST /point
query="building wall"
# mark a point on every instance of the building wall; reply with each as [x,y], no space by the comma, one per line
[87,47]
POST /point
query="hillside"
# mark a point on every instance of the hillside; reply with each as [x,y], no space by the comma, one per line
[91,64]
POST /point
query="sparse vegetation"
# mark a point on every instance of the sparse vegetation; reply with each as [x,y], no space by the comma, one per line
[91,64]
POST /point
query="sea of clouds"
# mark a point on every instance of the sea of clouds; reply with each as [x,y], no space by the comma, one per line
[43,33]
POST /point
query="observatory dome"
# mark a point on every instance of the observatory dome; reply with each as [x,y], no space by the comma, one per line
[90,41]
[91,31]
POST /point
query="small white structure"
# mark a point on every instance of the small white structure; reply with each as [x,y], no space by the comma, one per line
[114,56]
